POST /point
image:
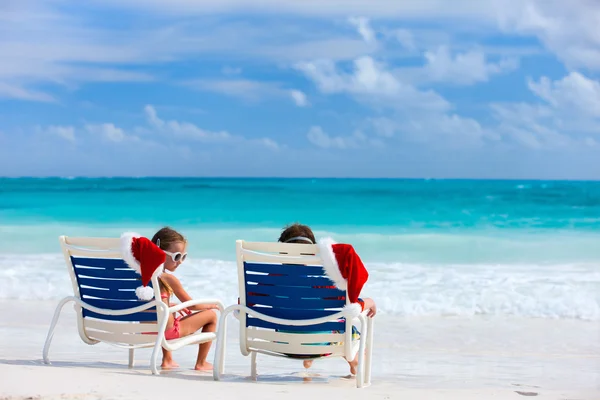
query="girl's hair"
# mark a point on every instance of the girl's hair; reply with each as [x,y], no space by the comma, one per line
[164,238]
[297,231]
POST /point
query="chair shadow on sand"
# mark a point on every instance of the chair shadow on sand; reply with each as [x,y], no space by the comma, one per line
[179,373]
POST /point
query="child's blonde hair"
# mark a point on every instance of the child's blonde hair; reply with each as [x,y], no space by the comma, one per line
[164,238]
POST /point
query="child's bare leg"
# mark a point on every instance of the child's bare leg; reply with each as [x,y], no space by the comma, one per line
[167,360]
[207,321]
[353,365]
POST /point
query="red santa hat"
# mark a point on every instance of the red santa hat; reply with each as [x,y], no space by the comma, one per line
[345,268]
[144,257]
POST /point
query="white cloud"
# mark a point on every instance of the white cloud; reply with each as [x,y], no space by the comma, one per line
[16,92]
[528,125]
[319,138]
[269,143]
[65,132]
[156,133]
[41,43]
[405,38]
[363,28]
[152,117]
[371,82]
[410,114]
[109,131]
[463,68]
[567,28]
[384,127]
[299,98]
[245,89]
[574,92]
[329,45]
[227,70]
[435,129]
[249,90]
[569,116]
[181,130]
[184,130]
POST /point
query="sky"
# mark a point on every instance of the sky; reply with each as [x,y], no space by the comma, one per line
[501,89]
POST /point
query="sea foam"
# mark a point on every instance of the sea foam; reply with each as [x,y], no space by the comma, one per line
[560,291]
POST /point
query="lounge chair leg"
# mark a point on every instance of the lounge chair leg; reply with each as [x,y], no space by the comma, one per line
[53,326]
[253,366]
[219,363]
[130,358]
[360,375]
[155,354]
[369,357]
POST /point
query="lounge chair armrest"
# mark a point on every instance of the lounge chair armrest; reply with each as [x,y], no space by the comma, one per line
[195,302]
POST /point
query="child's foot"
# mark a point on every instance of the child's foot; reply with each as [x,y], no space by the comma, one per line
[353,366]
[205,366]
[307,363]
[169,364]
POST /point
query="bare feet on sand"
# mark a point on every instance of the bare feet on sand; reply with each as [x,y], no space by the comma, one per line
[169,364]
[307,363]
[205,366]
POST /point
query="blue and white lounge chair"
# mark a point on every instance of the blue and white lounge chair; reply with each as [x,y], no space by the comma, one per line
[107,307]
[288,308]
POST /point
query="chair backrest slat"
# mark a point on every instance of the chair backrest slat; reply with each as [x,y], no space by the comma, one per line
[106,273]
[287,280]
[287,303]
[319,328]
[109,284]
[293,314]
[116,304]
[88,292]
[294,292]
[141,316]
[291,269]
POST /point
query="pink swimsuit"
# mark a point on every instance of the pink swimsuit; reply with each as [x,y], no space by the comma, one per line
[173,332]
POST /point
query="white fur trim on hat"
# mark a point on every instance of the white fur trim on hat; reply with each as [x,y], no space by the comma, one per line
[330,265]
[353,309]
[144,292]
[126,239]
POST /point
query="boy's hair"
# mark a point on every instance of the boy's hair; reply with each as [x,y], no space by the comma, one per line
[164,238]
[296,230]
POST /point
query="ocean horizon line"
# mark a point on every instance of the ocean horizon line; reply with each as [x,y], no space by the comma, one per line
[466,179]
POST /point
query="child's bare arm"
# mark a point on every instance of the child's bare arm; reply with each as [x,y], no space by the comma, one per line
[371,306]
[182,295]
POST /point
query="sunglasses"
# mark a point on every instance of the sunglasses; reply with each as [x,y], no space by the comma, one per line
[176,257]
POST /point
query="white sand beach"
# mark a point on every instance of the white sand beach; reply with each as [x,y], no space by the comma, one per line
[429,358]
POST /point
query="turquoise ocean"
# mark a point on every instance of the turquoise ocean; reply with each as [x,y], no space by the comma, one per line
[433,247]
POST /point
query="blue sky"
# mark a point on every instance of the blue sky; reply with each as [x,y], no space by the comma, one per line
[494,89]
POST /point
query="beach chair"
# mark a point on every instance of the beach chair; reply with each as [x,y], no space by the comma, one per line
[288,308]
[107,307]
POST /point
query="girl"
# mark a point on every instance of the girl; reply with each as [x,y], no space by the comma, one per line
[175,245]
[298,233]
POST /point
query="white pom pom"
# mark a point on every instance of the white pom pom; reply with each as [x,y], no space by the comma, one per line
[144,292]
[353,310]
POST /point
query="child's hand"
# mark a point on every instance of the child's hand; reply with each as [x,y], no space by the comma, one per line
[371,306]
[372,311]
